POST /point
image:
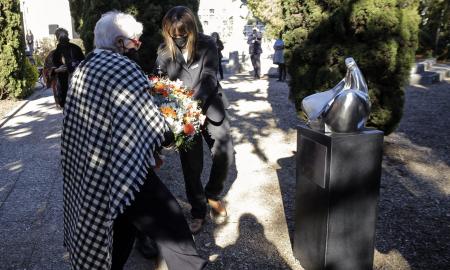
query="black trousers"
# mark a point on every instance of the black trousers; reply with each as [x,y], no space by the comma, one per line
[156,213]
[220,70]
[218,139]
[282,71]
[256,63]
[62,87]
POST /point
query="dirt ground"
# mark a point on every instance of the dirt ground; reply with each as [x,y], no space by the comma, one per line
[413,229]
[413,226]
[6,105]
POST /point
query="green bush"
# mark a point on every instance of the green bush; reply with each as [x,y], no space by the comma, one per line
[30,75]
[45,46]
[17,76]
[270,12]
[381,35]
[149,12]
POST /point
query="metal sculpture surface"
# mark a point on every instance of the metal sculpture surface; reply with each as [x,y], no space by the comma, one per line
[342,109]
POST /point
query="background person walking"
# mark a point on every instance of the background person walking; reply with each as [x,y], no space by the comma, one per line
[255,51]
[66,57]
[220,48]
[278,57]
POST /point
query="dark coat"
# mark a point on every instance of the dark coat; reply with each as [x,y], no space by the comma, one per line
[199,75]
[71,53]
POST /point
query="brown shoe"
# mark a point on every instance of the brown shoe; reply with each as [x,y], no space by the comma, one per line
[217,207]
[196,225]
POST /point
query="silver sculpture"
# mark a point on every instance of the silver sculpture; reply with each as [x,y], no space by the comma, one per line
[344,108]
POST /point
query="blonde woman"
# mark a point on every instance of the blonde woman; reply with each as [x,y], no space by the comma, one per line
[192,57]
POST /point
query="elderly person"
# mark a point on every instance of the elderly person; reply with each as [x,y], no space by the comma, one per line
[111,130]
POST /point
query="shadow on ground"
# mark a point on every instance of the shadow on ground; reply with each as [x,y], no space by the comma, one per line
[251,250]
[31,188]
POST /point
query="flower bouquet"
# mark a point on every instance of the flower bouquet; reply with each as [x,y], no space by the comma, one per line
[182,112]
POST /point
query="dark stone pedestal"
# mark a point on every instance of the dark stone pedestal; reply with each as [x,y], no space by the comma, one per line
[338,180]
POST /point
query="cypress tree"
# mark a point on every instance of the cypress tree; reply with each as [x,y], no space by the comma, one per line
[381,35]
[434,34]
[17,75]
[269,12]
[149,12]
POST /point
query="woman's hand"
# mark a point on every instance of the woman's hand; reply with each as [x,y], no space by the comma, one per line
[61,68]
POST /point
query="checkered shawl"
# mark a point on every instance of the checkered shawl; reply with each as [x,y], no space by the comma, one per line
[111,128]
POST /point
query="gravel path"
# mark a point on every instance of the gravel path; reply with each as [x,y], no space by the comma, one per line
[256,234]
[6,105]
[413,229]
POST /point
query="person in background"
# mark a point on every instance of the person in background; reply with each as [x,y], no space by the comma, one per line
[66,57]
[278,57]
[220,48]
[111,134]
[191,57]
[255,51]
[30,41]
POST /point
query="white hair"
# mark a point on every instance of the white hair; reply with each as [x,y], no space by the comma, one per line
[115,24]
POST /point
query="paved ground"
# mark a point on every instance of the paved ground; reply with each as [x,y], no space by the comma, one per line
[259,192]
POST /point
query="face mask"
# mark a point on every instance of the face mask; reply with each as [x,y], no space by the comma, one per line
[180,42]
[132,54]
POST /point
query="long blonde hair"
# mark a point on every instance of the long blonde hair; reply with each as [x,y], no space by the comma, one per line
[182,20]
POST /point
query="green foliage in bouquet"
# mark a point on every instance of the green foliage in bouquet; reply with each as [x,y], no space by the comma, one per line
[17,75]
[381,35]
[149,12]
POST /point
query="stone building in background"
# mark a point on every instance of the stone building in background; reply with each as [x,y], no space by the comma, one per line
[234,22]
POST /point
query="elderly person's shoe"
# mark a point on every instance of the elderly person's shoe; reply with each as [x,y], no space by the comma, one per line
[196,225]
[217,207]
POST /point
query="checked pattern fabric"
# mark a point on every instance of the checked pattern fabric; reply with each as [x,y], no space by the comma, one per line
[111,128]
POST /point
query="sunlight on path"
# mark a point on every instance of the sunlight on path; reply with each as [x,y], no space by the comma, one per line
[259,144]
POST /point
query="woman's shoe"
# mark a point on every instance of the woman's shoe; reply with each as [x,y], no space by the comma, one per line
[218,207]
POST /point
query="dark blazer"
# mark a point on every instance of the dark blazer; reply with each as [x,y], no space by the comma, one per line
[200,75]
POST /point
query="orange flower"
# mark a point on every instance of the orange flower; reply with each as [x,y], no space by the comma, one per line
[189,93]
[189,129]
[159,87]
[168,112]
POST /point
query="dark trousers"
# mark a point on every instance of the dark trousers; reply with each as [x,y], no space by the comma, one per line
[256,63]
[220,69]
[218,139]
[282,71]
[62,87]
[156,213]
